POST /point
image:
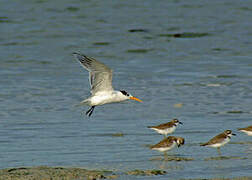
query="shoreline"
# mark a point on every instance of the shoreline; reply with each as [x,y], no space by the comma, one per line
[71,173]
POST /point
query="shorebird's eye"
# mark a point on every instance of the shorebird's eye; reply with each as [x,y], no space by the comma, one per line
[229,132]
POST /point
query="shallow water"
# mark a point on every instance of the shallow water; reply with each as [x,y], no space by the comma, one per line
[189,60]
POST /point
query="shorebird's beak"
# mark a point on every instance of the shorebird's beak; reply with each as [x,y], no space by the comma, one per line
[136,99]
[233,134]
[180,122]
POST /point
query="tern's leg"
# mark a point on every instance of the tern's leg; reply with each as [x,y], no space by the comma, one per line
[90,111]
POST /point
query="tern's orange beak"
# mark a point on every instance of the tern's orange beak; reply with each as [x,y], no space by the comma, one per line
[136,99]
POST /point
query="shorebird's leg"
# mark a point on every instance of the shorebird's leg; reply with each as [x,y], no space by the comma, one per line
[90,111]
[219,152]
[165,155]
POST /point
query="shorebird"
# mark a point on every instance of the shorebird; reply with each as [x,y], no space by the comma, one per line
[219,140]
[168,143]
[247,130]
[100,78]
[166,128]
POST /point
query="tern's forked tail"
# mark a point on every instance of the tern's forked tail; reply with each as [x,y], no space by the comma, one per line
[205,144]
[85,102]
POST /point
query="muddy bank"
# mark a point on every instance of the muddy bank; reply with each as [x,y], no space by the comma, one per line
[57,173]
[63,173]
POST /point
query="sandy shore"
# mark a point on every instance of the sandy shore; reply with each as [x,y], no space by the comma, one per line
[64,173]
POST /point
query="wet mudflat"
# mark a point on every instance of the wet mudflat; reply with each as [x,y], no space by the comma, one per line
[44,173]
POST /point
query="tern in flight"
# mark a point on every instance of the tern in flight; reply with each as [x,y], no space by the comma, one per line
[100,78]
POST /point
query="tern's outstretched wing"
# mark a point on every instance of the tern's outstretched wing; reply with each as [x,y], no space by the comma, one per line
[100,76]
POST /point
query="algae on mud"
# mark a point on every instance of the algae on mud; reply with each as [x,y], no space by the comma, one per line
[224,158]
[138,172]
[185,35]
[172,158]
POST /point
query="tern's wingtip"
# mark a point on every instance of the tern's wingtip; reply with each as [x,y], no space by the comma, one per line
[76,54]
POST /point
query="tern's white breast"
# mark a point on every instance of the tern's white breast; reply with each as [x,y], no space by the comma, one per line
[106,97]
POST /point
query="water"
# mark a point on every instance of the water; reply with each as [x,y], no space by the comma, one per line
[189,60]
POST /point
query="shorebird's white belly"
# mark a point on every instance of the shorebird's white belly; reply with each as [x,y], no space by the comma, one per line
[163,149]
[165,131]
[220,144]
[247,132]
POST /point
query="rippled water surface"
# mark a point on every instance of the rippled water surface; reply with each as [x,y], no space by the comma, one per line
[190,60]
